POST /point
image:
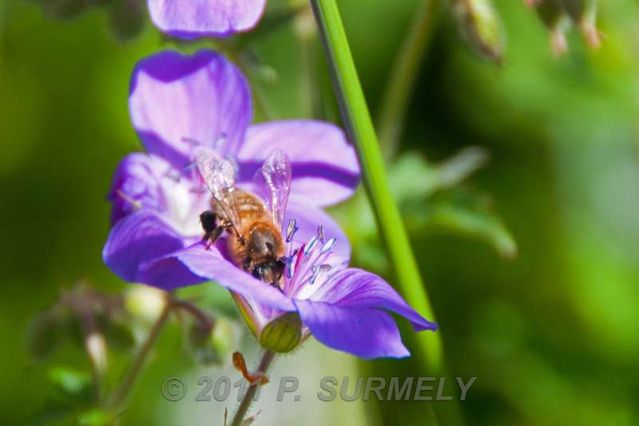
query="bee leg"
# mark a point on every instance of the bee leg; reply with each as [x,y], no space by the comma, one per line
[278,267]
[247,265]
[209,221]
[212,236]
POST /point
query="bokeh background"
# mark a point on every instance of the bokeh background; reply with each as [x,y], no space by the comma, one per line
[551,332]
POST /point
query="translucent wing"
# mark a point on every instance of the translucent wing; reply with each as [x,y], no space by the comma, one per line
[274,179]
[219,176]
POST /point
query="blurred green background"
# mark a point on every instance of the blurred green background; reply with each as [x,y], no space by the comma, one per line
[552,334]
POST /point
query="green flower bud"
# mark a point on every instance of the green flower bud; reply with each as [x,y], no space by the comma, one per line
[145,302]
[283,334]
[480,26]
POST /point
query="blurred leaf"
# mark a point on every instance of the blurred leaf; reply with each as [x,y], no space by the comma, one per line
[200,344]
[411,176]
[465,213]
[70,380]
[118,334]
[95,417]
[225,337]
[45,334]
[430,198]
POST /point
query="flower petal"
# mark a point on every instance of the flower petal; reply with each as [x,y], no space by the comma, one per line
[364,332]
[192,18]
[325,167]
[136,239]
[309,219]
[213,266]
[136,184]
[355,288]
[179,101]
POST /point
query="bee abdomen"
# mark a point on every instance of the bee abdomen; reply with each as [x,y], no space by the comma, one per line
[249,207]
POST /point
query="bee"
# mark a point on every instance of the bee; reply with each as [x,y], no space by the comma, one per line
[253,229]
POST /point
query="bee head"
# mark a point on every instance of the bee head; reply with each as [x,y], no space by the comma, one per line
[264,244]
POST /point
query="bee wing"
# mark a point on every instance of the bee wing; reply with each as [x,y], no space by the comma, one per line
[219,176]
[274,178]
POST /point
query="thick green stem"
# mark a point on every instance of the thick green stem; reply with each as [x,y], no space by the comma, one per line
[360,128]
[392,112]
[240,414]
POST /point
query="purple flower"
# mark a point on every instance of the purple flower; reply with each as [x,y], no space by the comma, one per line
[183,105]
[345,308]
[193,18]
[317,294]
[178,103]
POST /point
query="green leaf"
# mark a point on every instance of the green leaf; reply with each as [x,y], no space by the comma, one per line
[411,176]
[118,334]
[95,417]
[465,213]
[70,380]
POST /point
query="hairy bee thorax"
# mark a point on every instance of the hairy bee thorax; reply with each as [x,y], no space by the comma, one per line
[258,245]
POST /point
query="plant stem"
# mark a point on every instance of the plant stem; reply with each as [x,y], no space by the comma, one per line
[392,112]
[265,362]
[121,393]
[360,128]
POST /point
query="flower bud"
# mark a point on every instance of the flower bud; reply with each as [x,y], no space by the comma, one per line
[145,302]
[283,334]
[127,18]
[479,24]
[560,15]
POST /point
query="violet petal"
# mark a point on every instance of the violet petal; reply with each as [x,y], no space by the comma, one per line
[193,18]
[136,239]
[325,167]
[355,288]
[136,184]
[178,101]
[361,331]
[213,266]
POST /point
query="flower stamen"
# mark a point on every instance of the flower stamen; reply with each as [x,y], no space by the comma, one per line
[291,229]
[328,246]
[137,205]
[311,244]
[320,233]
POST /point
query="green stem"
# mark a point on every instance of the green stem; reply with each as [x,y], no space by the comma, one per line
[240,414]
[392,113]
[360,128]
[121,393]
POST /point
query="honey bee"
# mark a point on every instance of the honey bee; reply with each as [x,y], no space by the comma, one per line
[254,231]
